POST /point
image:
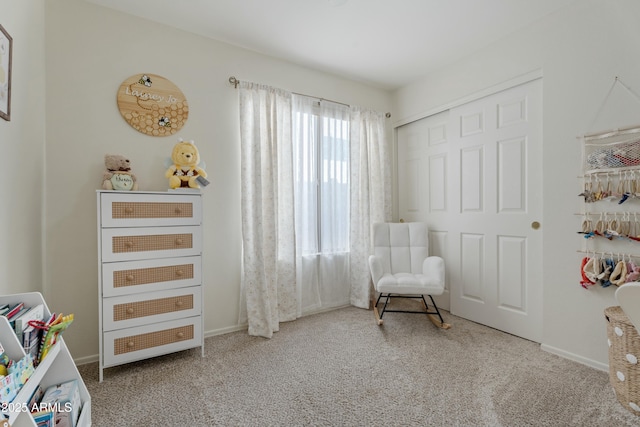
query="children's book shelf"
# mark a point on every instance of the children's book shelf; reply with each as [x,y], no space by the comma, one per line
[56,368]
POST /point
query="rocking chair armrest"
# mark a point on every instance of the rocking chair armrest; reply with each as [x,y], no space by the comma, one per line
[375,265]
[433,266]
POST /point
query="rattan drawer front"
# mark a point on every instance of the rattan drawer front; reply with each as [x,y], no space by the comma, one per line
[152,339]
[126,244]
[131,344]
[152,307]
[141,210]
[128,210]
[144,276]
[122,278]
[160,242]
[149,308]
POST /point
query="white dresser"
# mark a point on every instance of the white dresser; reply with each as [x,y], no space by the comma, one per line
[150,274]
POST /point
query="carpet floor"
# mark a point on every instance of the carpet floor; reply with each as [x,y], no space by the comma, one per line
[340,369]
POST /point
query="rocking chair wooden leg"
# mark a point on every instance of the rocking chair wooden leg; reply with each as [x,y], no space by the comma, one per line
[435,320]
[377,314]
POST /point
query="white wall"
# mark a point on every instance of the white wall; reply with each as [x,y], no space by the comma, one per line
[90,50]
[580,51]
[22,146]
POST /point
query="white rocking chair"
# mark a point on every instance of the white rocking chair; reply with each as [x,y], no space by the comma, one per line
[402,268]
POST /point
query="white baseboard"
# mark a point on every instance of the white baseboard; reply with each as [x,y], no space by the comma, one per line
[87,359]
[571,356]
[324,310]
[226,330]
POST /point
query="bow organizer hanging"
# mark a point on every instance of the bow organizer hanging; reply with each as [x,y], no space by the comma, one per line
[611,208]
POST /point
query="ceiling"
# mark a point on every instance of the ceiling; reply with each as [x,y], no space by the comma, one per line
[386,43]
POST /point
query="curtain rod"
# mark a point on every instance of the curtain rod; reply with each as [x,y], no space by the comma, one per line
[235,82]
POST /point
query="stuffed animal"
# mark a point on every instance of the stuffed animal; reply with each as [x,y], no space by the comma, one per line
[185,172]
[118,175]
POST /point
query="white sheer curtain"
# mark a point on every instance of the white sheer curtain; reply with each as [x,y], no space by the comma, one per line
[269,274]
[370,195]
[314,177]
[321,180]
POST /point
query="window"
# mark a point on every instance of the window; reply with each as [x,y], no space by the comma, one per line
[321,170]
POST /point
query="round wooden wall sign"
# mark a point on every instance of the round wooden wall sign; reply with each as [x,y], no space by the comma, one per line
[152,105]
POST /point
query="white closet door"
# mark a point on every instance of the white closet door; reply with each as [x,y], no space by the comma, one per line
[423,157]
[480,191]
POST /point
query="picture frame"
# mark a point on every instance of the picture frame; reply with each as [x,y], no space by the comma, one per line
[6,50]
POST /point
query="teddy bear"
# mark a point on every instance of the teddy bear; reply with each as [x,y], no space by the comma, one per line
[185,172]
[118,175]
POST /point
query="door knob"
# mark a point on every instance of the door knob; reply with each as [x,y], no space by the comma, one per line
[535,225]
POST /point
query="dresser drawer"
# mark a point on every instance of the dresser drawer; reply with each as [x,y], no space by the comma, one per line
[142,309]
[132,277]
[127,345]
[127,244]
[136,210]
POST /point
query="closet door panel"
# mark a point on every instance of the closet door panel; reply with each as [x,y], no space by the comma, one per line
[438,183]
[424,180]
[472,267]
[512,161]
[472,179]
[499,175]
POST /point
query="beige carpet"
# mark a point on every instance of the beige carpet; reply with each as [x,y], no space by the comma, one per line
[340,369]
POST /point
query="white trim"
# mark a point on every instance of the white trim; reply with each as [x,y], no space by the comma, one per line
[227,330]
[324,310]
[86,360]
[516,81]
[576,358]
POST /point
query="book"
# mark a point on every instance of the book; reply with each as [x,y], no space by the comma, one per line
[31,338]
[12,319]
[44,418]
[36,397]
[52,319]
[65,396]
[22,321]
[13,310]
[4,308]
[55,328]
[42,326]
